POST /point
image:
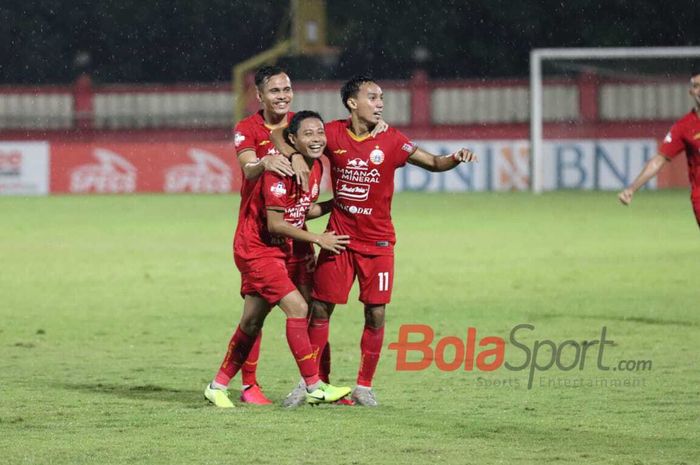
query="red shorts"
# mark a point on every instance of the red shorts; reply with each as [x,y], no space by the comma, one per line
[267,277]
[335,274]
[301,269]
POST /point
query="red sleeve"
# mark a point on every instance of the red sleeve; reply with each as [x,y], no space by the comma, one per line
[673,143]
[331,129]
[276,190]
[404,147]
[244,136]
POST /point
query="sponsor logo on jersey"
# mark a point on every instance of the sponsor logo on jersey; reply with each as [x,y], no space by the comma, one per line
[339,151]
[314,190]
[376,156]
[263,142]
[238,138]
[357,164]
[278,189]
[408,147]
[354,209]
[112,174]
[351,190]
[208,174]
[668,138]
[273,151]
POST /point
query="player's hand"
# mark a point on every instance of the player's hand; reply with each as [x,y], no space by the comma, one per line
[333,243]
[380,127]
[625,197]
[278,165]
[465,156]
[301,171]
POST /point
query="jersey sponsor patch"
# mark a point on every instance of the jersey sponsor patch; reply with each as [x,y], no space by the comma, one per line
[351,190]
[314,190]
[376,156]
[238,138]
[408,147]
[278,189]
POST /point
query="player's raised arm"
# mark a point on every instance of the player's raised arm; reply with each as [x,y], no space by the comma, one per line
[430,162]
[651,169]
[298,165]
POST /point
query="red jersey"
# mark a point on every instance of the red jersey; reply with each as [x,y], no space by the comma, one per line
[252,133]
[684,135]
[253,239]
[362,173]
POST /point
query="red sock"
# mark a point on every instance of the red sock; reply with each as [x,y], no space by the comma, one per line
[305,356]
[324,368]
[318,337]
[238,349]
[371,347]
[249,368]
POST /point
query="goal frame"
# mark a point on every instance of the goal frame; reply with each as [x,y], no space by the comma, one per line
[539,55]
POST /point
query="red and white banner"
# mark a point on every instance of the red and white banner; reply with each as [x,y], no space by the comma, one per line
[144,167]
[24,168]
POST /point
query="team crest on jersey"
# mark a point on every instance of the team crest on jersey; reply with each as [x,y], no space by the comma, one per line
[668,138]
[376,156]
[278,189]
[408,147]
[314,190]
[238,138]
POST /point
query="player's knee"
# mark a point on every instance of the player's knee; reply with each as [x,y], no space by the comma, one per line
[374,315]
[321,310]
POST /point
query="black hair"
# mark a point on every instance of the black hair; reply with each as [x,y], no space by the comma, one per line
[352,87]
[294,124]
[265,73]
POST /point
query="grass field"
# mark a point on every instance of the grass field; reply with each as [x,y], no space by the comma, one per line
[115,313]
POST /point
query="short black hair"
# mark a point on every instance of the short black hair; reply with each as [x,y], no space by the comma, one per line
[265,73]
[352,87]
[294,124]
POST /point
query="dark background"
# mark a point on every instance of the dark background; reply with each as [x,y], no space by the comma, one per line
[179,40]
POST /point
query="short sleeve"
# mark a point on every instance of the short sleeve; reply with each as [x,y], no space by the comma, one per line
[275,190]
[243,137]
[404,147]
[673,143]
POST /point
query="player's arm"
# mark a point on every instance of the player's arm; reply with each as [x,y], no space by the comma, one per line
[328,240]
[319,209]
[299,166]
[430,162]
[253,166]
[651,169]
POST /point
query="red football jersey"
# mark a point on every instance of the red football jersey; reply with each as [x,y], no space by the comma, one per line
[252,133]
[253,239]
[362,173]
[685,136]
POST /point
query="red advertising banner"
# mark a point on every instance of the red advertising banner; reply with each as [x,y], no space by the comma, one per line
[114,168]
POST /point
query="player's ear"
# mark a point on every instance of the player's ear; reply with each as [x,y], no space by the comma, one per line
[293,139]
[352,103]
[258,97]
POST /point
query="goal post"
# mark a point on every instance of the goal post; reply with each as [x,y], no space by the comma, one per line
[539,57]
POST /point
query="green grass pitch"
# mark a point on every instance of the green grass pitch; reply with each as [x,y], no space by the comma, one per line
[115,312]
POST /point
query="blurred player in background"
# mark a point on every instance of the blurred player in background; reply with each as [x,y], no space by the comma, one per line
[362,172]
[684,136]
[274,214]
